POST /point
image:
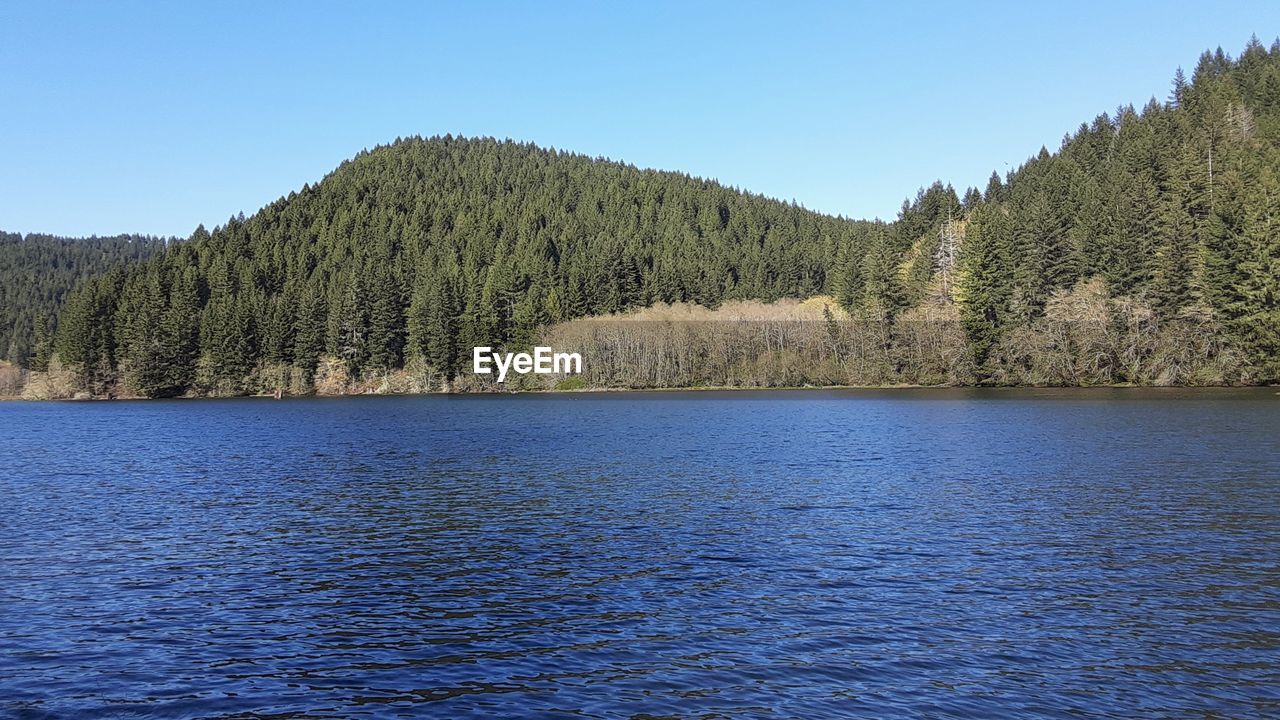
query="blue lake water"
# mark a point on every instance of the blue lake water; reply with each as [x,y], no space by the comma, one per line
[950,553]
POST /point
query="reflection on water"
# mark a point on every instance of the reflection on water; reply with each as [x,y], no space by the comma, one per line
[889,554]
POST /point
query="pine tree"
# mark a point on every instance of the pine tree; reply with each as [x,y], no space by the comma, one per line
[386,320]
[984,282]
[87,332]
[309,329]
[551,307]
[1257,321]
[433,323]
[180,334]
[1178,93]
[349,323]
[141,341]
[1178,235]
[43,345]
[881,293]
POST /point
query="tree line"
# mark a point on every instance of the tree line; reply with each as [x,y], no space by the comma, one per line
[426,247]
[37,272]
[1162,219]
[1175,207]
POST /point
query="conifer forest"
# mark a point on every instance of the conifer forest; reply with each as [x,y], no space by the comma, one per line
[1145,249]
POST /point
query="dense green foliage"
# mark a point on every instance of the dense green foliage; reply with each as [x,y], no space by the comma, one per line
[1164,219]
[1177,206]
[37,272]
[426,246]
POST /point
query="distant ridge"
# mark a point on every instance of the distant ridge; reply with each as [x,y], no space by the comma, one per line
[37,271]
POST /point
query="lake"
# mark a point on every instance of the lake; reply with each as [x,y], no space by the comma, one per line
[808,554]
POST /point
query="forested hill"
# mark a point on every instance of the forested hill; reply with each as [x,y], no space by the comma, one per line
[38,271]
[427,246]
[1173,210]
[1145,250]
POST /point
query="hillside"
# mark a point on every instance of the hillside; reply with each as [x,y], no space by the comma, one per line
[1172,212]
[38,271]
[426,246]
[1145,250]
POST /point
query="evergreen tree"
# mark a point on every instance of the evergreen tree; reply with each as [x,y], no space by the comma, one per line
[349,325]
[985,282]
[87,331]
[386,320]
[42,347]
[142,344]
[881,291]
[180,334]
[433,323]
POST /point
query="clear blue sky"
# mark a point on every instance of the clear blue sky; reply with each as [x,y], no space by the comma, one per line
[154,117]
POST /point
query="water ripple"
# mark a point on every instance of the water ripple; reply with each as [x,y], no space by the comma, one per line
[954,554]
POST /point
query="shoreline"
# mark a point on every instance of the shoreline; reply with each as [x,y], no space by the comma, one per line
[654,390]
